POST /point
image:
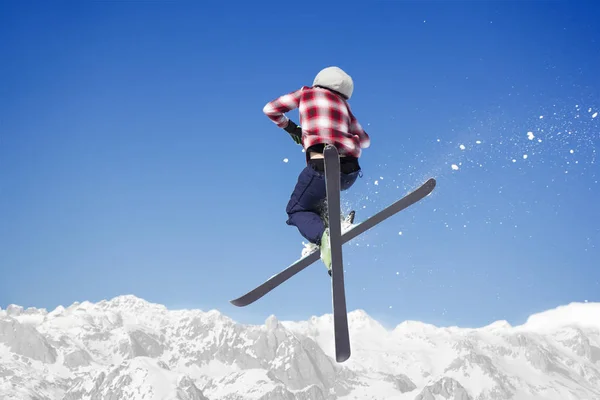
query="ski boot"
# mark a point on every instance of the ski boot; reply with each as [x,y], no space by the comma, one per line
[309,248]
[326,250]
[325,247]
[348,221]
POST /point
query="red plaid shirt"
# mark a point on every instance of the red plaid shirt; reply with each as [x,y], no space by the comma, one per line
[325,117]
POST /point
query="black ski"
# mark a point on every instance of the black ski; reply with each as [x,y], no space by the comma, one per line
[338,292]
[299,265]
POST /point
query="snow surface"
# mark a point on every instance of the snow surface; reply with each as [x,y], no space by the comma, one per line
[581,315]
[127,348]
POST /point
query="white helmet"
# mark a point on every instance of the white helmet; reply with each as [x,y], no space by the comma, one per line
[335,78]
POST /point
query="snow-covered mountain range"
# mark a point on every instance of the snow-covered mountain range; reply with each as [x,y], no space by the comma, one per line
[127,348]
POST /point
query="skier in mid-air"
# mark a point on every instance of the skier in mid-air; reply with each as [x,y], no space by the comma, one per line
[325,118]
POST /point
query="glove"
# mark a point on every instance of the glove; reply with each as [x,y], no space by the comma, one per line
[295,131]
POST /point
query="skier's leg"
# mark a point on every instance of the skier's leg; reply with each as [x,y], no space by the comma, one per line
[349,172]
[306,201]
[309,224]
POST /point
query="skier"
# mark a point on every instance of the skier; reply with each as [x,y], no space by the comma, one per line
[325,118]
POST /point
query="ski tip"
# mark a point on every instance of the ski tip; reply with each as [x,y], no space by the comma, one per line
[342,356]
[237,303]
[242,301]
[430,184]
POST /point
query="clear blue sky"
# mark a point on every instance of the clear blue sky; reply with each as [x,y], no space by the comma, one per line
[135,157]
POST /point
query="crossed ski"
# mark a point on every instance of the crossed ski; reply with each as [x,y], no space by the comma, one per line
[338,292]
[332,182]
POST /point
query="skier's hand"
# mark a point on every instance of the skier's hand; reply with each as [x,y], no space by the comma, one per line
[295,131]
[296,138]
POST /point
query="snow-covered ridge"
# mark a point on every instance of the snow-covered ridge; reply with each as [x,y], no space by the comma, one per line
[582,315]
[129,348]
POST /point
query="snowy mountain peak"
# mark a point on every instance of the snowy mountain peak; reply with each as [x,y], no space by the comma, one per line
[415,327]
[125,303]
[582,315]
[498,325]
[359,314]
[360,318]
[272,323]
[14,310]
[56,312]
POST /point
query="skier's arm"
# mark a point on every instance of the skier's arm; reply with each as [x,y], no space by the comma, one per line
[357,129]
[277,108]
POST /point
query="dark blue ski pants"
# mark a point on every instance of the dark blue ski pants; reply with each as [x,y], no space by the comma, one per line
[307,202]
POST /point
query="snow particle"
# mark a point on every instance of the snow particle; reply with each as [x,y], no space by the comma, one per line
[376,182]
[594,115]
[571,151]
[400,233]
[285,160]
[530,135]
[454,167]
[524,156]
[478,142]
[462,146]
